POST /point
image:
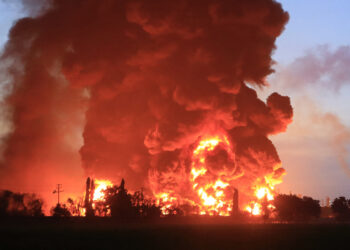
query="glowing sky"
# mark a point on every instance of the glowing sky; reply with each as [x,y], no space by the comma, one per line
[306,148]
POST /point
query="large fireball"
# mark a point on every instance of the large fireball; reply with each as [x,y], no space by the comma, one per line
[213,176]
[211,179]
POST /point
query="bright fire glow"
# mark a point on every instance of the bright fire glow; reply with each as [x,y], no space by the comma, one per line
[211,192]
[166,201]
[254,208]
[82,211]
[207,145]
[100,187]
[261,193]
[213,184]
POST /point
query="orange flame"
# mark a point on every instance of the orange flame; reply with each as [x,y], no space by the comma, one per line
[211,193]
[167,201]
[254,208]
[100,187]
[261,193]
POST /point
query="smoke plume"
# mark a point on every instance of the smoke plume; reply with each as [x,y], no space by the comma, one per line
[133,86]
[320,66]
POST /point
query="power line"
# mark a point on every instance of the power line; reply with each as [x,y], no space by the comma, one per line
[58,191]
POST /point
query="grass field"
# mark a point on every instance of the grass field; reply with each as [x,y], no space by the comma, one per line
[68,234]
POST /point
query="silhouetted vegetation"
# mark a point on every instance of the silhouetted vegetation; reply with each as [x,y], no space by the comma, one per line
[60,211]
[293,208]
[75,207]
[341,208]
[19,204]
[125,207]
[122,206]
[145,208]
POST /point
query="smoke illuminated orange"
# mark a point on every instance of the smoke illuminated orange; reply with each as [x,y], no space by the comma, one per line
[168,103]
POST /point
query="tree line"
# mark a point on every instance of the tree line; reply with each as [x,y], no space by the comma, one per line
[118,203]
[20,204]
[121,205]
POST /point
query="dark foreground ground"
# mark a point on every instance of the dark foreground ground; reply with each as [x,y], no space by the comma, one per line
[81,234]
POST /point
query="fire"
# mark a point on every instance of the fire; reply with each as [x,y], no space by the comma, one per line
[212,192]
[97,196]
[82,211]
[254,208]
[100,187]
[166,201]
[262,194]
[207,144]
[212,182]
[209,188]
[175,83]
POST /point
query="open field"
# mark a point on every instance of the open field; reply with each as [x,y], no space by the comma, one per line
[51,234]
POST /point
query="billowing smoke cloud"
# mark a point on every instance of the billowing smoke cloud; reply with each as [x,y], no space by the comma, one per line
[321,66]
[142,81]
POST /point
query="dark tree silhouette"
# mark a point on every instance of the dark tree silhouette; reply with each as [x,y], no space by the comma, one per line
[145,208]
[34,207]
[286,206]
[18,204]
[75,207]
[310,208]
[72,207]
[60,211]
[341,208]
[292,208]
[124,206]
[4,202]
[120,203]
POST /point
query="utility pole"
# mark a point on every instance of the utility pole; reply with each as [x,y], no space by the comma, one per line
[58,191]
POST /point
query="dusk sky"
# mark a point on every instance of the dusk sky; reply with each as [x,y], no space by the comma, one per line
[312,67]
[307,149]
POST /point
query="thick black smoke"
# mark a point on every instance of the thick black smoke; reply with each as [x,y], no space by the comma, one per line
[141,81]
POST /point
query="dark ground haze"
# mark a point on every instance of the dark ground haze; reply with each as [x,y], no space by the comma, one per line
[50,234]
